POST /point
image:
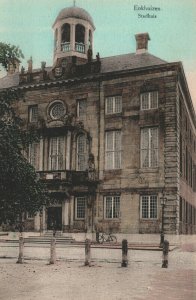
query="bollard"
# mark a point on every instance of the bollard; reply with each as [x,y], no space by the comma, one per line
[165,254]
[21,250]
[53,251]
[162,237]
[97,236]
[87,253]
[124,253]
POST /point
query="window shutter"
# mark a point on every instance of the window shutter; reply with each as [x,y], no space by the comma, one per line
[34,155]
[82,153]
[144,147]
[154,147]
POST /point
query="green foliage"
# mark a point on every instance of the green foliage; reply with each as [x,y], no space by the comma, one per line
[9,54]
[20,190]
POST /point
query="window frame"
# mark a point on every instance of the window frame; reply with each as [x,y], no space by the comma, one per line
[84,207]
[112,207]
[83,115]
[113,151]
[149,100]
[50,156]
[30,113]
[114,105]
[34,155]
[149,149]
[148,207]
[84,154]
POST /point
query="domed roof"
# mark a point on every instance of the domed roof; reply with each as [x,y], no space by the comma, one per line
[75,12]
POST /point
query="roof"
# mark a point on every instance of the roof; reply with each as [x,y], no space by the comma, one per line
[9,81]
[108,64]
[129,61]
[75,12]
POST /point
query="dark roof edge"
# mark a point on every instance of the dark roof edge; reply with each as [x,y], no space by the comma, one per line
[190,102]
[97,76]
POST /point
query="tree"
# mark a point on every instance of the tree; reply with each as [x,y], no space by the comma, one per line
[20,190]
[9,54]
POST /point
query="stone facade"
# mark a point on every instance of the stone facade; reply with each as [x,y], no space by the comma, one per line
[121,185]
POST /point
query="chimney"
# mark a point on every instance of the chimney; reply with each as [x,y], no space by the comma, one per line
[13,66]
[142,42]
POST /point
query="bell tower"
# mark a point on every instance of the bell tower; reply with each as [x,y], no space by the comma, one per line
[73,34]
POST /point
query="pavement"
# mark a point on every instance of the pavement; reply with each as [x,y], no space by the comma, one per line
[144,278]
[69,279]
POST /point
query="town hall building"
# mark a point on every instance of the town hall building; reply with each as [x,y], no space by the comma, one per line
[117,135]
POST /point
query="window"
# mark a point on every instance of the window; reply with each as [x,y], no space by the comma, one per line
[113,105]
[148,207]
[112,207]
[82,153]
[149,147]
[33,113]
[80,207]
[30,215]
[149,100]
[81,109]
[56,153]
[34,155]
[113,150]
[57,110]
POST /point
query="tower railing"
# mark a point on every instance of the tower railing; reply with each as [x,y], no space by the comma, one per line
[80,47]
[65,47]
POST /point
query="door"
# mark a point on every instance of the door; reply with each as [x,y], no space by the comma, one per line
[54,218]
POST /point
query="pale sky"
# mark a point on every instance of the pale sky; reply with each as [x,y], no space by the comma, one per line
[28,24]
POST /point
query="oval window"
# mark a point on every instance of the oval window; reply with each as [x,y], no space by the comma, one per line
[57,110]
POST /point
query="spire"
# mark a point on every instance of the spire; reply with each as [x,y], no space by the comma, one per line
[74,3]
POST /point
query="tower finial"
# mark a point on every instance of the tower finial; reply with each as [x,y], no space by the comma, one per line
[74,3]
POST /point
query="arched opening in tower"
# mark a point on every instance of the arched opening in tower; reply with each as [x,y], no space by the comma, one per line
[80,38]
[65,37]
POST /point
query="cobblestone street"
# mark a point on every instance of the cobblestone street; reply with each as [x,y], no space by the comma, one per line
[69,279]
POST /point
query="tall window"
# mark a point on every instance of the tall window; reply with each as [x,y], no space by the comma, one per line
[148,207]
[34,155]
[80,207]
[149,147]
[149,100]
[82,153]
[81,109]
[113,105]
[56,153]
[112,207]
[33,113]
[113,150]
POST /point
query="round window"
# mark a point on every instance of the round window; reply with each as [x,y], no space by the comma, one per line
[57,110]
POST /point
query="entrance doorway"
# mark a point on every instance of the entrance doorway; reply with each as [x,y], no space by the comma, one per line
[54,220]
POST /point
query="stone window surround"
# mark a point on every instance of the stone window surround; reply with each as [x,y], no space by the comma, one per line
[149,212]
[113,198]
[80,209]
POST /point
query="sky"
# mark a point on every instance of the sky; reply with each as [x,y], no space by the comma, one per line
[28,24]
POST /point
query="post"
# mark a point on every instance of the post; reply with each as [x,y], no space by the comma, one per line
[97,236]
[124,253]
[53,251]
[21,250]
[163,202]
[165,254]
[87,253]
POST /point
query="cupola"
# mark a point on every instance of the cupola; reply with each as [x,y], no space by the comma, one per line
[73,33]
